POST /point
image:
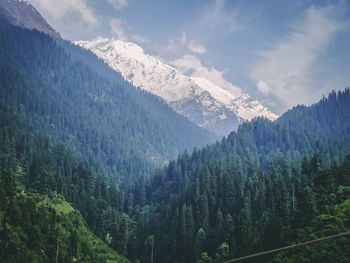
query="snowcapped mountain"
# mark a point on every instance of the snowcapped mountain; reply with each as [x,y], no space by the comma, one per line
[204,103]
[22,13]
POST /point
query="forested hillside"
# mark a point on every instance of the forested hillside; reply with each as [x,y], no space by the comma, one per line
[45,167]
[85,173]
[70,128]
[93,115]
[208,207]
[252,191]
[41,228]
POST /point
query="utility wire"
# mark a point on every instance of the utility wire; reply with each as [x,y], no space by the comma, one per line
[287,247]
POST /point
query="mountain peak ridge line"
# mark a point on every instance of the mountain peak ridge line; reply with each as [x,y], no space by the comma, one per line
[198,99]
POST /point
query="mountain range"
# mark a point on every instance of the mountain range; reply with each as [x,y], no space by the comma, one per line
[202,102]
[198,99]
[107,154]
[82,99]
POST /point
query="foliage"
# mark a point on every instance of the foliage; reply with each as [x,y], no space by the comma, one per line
[39,228]
[253,190]
[324,224]
[122,131]
[46,167]
[70,128]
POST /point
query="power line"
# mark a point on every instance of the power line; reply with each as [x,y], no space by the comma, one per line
[287,247]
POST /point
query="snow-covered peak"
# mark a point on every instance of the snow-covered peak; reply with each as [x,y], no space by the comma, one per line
[244,106]
[217,92]
[106,44]
[142,70]
[203,102]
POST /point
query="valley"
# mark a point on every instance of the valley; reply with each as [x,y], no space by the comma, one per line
[111,154]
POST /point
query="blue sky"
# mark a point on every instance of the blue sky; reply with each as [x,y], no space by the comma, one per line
[281,52]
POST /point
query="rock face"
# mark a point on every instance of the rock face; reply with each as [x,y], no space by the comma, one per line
[22,13]
[204,103]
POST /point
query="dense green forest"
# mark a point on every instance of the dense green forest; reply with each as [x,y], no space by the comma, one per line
[47,168]
[267,216]
[67,130]
[41,228]
[82,152]
[251,191]
[124,132]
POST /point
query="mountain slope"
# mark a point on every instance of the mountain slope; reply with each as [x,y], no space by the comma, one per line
[250,192]
[22,13]
[39,228]
[124,133]
[201,101]
[43,166]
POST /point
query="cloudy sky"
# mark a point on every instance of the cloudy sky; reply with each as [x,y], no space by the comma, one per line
[281,52]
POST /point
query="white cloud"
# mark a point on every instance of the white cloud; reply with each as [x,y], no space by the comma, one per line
[139,39]
[186,64]
[118,29]
[177,45]
[217,18]
[196,47]
[286,70]
[74,9]
[183,45]
[193,66]
[263,87]
[74,19]
[118,4]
